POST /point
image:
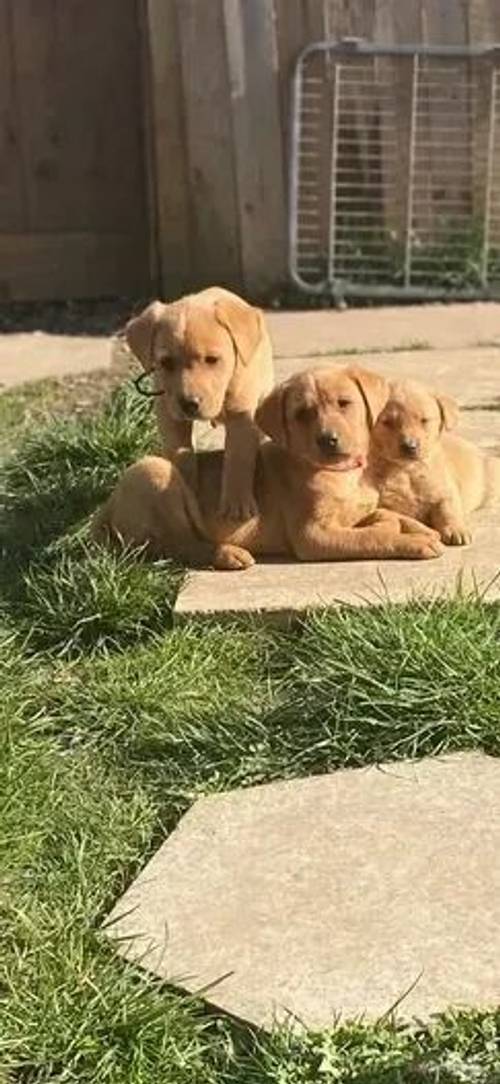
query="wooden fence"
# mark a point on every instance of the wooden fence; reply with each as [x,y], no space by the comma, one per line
[144,143]
[73,201]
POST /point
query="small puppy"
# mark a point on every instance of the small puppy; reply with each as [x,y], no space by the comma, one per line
[423,471]
[211,359]
[316,501]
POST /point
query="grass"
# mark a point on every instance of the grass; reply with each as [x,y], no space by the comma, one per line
[112,722]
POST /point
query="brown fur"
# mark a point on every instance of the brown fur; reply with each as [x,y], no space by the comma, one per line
[422,470]
[316,501]
[211,348]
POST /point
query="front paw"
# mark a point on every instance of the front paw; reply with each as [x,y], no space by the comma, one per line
[421,547]
[237,509]
[455,534]
[232,558]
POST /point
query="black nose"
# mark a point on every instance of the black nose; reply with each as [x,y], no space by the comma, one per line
[328,441]
[189,405]
[410,446]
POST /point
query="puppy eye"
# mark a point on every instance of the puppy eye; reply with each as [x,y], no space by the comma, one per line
[344,403]
[389,422]
[211,359]
[424,421]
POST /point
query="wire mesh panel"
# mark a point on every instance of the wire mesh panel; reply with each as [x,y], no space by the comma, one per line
[395,170]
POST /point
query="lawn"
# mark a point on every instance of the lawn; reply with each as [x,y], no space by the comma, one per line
[113,722]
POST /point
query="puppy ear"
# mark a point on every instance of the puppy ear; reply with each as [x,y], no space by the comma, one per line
[374,389]
[140,333]
[244,324]
[449,410]
[270,415]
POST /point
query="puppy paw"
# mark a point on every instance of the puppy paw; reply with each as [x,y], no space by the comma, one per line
[414,526]
[232,558]
[423,547]
[455,534]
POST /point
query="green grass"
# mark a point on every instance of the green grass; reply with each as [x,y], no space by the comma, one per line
[112,722]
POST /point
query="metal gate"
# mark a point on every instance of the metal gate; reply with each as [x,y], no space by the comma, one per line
[395,171]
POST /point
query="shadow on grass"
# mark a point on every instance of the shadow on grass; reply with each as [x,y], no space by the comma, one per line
[66,595]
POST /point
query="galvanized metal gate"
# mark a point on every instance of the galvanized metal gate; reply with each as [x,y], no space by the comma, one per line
[395,171]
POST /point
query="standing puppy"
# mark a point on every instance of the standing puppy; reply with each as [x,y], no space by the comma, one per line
[421,470]
[211,360]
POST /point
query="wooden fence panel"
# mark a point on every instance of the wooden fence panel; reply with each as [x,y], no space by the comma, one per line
[170,157]
[12,205]
[252,57]
[80,118]
[206,90]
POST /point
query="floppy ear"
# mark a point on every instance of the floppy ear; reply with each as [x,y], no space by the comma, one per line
[449,411]
[140,333]
[244,325]
[373,388]
[270,415]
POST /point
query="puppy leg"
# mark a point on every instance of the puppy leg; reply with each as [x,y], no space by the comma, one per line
[242,443]
[174,435]
[378,542]
[399,522]
[152,507]
[447,517]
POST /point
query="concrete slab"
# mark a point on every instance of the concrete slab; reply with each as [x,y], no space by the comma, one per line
[340,895]
[27,356]
[280,591]
[438,326]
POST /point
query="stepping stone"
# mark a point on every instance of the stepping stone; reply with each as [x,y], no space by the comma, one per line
[36,355]
[440,326]
[281,592]
[354,894]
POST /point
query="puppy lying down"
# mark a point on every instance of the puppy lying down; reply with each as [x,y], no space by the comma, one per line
[316,500]
[424,471]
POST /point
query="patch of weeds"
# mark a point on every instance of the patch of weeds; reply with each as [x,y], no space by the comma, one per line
[59,473]
[95,599]
[232,705]
[451,261]
[69,595]
[458,1048]
[188,709]
[19,408]
[369,685]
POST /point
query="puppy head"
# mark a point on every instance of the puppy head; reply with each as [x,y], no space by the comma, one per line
[325,415]
[193,349]
[412,422]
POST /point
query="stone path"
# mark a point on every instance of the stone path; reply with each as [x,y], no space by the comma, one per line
[27,356]
[343,895]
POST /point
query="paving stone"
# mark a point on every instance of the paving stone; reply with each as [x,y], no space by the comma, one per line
[439,326]
[472,376]
[35,355]
[335,896]
[281,592]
